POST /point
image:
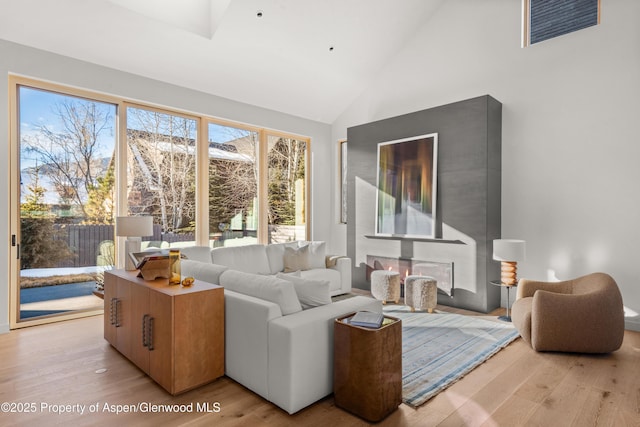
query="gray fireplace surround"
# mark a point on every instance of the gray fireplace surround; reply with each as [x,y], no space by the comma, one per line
[468,210]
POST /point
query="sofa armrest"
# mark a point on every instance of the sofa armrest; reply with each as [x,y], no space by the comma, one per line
[246,339]
[301,352]
[343,265]
[526,287]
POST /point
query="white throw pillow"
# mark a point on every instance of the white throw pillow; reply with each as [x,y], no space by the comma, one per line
[311,293]
[296,259]
[275,254]
[268,288]
[317,254]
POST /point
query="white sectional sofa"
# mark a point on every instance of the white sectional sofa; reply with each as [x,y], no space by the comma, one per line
[273,346]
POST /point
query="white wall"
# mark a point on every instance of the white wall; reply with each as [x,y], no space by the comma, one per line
[570,150]
[47,66]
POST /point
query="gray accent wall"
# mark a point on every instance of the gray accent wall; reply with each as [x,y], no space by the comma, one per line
[468,203]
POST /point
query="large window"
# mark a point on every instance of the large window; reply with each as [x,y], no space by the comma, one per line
[161,173]
[287,172]
[546,19]
[233,185]
[74,169]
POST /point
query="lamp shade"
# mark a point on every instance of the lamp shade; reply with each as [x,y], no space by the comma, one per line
[508,250]
[134,226]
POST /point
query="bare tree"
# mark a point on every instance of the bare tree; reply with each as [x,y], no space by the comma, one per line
[286,160]
[162,167]
[69,155]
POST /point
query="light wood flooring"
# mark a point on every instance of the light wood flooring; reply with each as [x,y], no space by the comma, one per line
[58,364]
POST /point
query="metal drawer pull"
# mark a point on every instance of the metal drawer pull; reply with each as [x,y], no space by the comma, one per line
[144,330]
[118,302]
[112,311]
[150,341]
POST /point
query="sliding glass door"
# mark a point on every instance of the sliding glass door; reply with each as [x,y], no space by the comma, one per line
[66,149]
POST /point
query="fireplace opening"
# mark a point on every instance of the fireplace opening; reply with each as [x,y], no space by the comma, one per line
[442,272]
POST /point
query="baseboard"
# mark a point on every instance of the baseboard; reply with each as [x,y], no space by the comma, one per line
[632,324]
[4,329]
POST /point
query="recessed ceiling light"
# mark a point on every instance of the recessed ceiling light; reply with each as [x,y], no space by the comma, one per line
[331,48]
[259,14]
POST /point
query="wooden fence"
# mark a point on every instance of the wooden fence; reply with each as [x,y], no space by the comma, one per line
[84,241]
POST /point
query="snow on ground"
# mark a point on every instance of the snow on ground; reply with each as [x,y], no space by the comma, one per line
[46,272]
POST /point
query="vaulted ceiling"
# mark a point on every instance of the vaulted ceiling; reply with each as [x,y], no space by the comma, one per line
[309,58]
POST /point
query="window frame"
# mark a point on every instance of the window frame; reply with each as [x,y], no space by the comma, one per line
[526,23]
[202,172]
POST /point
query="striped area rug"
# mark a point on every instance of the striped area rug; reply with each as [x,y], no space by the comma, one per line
[440,348]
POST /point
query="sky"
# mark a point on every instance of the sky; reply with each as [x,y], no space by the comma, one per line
[38,108]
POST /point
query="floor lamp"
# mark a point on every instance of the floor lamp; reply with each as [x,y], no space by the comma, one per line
[508,252]
[133,228]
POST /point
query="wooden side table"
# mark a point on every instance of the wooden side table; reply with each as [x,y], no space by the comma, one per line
[367,368]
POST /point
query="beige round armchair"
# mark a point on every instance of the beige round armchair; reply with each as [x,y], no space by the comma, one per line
[583,315]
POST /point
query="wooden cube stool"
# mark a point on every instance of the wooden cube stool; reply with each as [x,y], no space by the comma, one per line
[421,293]
[385,285]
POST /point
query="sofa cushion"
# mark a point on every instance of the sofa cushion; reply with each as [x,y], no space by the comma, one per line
[317,254]
[275,254]
[311,293]
[250,258]
[197,253]
[329,274]
[204,271]
[296,259]
[268,288]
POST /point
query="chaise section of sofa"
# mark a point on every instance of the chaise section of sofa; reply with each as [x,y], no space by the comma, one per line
[272,346]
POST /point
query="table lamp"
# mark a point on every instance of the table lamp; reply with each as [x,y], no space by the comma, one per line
[509,252]
[133,228]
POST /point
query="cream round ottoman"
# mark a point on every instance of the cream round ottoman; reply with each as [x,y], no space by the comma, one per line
[385,285]
[421,293]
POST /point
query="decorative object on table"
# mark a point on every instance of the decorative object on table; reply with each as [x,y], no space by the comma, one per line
[385,285]
[439,350]
[188,281]
[367,368]
[507,317]
[406,196]
[133,228]
[174,267]
[583,315]
[367,319]
[421,293]
[509,252]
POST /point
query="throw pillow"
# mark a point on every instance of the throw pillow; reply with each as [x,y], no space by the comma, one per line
[311,293]
[317,251]
[296,259]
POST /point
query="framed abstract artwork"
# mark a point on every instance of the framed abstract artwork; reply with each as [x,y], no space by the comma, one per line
[406,187]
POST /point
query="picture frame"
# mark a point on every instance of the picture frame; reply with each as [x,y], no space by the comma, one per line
[406,187]
[343,180]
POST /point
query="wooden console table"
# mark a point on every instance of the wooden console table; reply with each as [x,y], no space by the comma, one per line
[174,334]
[367,373]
